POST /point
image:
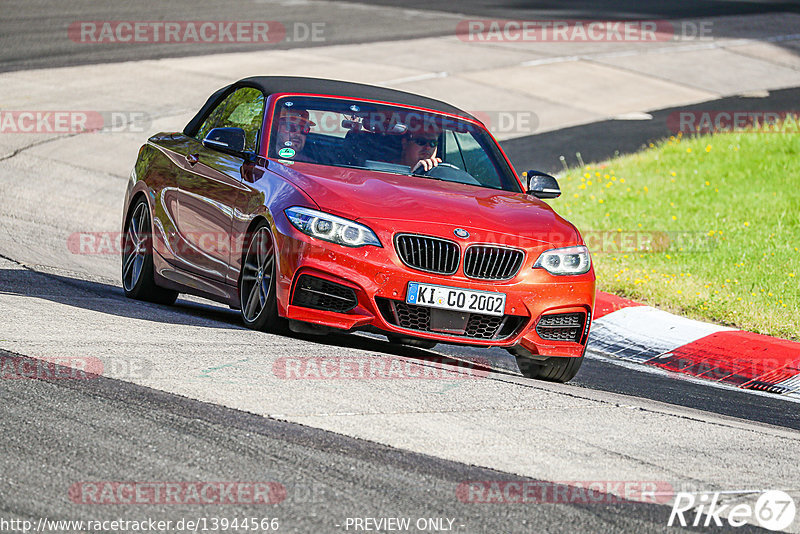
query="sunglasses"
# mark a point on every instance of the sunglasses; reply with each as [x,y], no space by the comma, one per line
[294,127]
[421,141]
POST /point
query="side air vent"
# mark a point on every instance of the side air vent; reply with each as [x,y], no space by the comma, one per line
[561,327]
[319,294]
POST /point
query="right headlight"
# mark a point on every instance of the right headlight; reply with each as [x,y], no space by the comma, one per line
[568,260]
[331,228]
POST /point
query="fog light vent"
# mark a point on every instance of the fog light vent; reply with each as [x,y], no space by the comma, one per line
[320,294]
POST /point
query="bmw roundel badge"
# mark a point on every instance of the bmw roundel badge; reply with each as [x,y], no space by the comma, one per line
[460,232]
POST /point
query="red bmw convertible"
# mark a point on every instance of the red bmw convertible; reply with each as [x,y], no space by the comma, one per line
[317,204]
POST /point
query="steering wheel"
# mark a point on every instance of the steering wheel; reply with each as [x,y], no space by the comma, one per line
[449,173]
[421,170]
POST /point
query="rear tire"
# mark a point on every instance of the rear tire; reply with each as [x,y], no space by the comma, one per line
[137,259]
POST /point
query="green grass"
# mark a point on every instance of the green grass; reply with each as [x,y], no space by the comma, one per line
[723,216]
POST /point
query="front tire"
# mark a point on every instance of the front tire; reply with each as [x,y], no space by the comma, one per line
[412,342]
[553,369]
[560,369]
[257,300]
[137,259]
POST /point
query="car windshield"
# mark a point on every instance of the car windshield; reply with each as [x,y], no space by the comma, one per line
[356,134]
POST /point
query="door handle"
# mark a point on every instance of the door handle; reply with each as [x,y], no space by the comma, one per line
[192,159]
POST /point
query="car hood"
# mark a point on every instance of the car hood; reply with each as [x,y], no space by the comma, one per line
[378,196]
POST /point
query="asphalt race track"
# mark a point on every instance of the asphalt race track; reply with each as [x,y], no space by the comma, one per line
[188,394]
[34,34]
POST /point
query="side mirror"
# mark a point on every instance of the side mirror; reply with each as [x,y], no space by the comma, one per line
[542,185]
[228,140]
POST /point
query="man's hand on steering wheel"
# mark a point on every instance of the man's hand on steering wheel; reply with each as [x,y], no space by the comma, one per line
[426,164]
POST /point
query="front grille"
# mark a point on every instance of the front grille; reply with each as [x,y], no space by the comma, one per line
[479,326]
[319,294]
[489,262]
[561,327]
[429,254]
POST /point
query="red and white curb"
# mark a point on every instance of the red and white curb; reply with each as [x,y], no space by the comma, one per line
[633,332]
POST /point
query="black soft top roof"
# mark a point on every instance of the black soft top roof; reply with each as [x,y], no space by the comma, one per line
[294,84]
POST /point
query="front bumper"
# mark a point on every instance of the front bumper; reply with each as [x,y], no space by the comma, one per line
[379,281]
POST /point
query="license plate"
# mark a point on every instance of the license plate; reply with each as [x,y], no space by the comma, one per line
[455,298]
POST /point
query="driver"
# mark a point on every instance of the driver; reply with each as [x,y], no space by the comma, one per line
[293,127]
[419,150]
[419,147]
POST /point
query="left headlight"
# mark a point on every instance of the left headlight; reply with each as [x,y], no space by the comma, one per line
[568,260]
[331,228]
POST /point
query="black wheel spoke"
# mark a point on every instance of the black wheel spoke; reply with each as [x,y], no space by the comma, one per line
[263,291]
[137,267]
[128,264]
[267,268]
[252,301]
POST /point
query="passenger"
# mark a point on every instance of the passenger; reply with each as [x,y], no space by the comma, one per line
[293,127]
